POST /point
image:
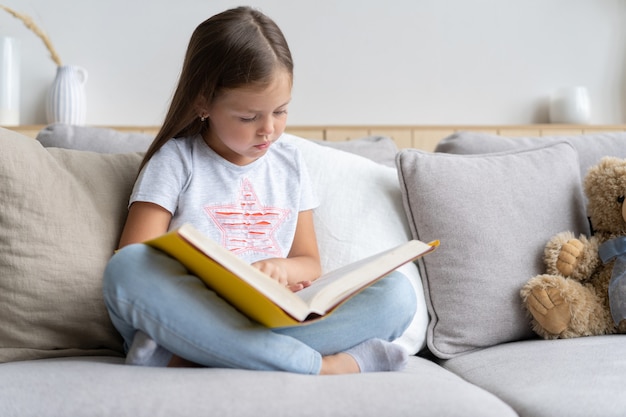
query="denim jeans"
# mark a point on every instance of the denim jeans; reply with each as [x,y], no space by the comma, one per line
[144,289]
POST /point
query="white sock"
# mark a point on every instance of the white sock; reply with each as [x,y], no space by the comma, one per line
[377,355]
[145,352]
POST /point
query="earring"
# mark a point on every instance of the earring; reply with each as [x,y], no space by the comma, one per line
[202,119]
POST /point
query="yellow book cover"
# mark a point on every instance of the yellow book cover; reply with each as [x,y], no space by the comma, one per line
[264,300]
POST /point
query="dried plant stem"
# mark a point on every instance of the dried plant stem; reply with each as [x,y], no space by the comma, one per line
[30,24]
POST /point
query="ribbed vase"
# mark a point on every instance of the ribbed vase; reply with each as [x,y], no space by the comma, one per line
[66,101]
[9,81]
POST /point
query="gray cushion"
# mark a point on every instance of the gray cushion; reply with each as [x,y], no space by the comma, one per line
[70,387]
[493,214]
[578,377]
[591,147]
[381,149]
[95,139]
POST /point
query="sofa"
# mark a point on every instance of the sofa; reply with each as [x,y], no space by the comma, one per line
[492,202]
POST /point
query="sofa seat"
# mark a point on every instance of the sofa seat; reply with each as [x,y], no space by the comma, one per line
[97,386]
[545,377]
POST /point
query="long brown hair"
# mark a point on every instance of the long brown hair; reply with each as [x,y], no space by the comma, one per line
[231,49]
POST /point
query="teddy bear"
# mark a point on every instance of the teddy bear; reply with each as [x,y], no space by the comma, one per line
[583,292]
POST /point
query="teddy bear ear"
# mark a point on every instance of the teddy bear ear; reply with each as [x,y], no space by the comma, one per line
[595,179]
[610,161]
[617,165]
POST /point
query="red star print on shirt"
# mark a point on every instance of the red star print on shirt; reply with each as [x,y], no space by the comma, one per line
[247,225]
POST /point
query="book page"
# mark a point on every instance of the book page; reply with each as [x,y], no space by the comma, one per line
[307,294]
[342,283]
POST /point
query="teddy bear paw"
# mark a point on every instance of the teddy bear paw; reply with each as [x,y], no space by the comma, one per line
[568,256]
[549,309]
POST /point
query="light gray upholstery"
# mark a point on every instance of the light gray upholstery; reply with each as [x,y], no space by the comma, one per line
[581,377]
[590,147]
[93,139]
[105,387]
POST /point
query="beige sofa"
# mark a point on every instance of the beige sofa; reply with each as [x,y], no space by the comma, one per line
[475,355]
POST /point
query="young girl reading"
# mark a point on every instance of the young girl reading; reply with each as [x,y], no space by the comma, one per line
[218,163]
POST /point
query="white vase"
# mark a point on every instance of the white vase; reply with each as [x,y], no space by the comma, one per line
[570,105]
[9,82]
[66,102]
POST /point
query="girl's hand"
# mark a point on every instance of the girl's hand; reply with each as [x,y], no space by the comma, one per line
[299,285]
[275,269]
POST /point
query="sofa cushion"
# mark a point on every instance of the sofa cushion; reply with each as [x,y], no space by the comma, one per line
[591,147]
[60,220]
[381,149]
[94,139]
[360,214]
[493,214]
[578,377]
[105,387]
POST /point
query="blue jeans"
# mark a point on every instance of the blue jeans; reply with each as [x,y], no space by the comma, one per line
[147,290]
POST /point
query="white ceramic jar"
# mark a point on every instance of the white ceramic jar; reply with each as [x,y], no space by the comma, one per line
[66,102]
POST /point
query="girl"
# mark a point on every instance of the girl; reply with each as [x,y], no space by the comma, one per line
[218,164]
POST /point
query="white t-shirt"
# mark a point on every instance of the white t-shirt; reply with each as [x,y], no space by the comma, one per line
[251,210]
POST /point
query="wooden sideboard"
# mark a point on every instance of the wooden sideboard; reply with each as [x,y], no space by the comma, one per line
[408,136]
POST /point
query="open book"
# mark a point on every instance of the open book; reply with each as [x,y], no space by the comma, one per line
[260,297]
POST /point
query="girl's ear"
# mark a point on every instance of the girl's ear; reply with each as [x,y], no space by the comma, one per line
[201,107]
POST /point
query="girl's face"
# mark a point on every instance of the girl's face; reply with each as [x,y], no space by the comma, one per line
[244,122]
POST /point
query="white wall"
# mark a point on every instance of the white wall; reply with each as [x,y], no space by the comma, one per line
[357,61]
